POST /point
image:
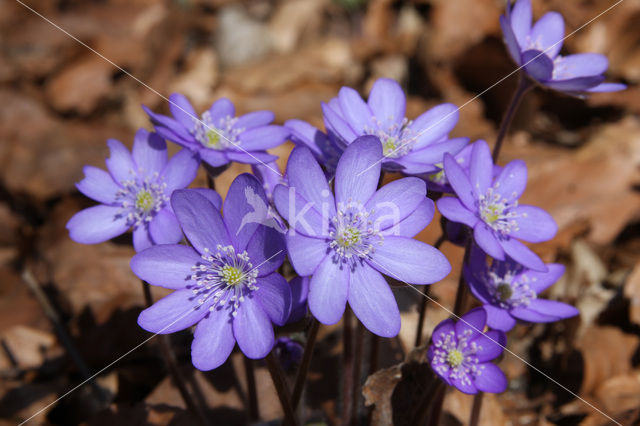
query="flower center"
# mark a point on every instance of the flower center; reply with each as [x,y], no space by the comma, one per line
[438,177]
[509,289]
[397,139]
[213,139]
[232,275]
[504,292]
[497,212]
[455,356]
[352,235]
[349,237]
[219,136]
[142,199]
[226,277]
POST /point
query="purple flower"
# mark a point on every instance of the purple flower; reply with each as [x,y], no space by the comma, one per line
[412,147]
[269,175]
[299,296]
[134,194]
[226,282]
[510,291]
[490,207]
[218,136]
[537,49]
[438,181]
[345,243]
[289,353]
[326,148]
[460,354]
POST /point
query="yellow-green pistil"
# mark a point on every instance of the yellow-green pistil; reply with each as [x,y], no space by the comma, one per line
[213,139]
[389,146]
[349,238]
[504,292]
[144,200]
[232,275]
[455,358]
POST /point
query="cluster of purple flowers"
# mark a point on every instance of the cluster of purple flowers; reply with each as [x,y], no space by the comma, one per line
[341,231]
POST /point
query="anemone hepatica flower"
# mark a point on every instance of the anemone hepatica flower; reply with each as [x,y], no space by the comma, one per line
[226,282]
[412,147]
[490,207]
[327,148]
[346,243]
[510,291]
[460,354]
[218,136]
[537,49]
[299,295]
[289,352]
[134,193]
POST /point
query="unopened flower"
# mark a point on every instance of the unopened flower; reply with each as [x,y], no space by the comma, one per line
[412,147]
[461,354]
[134,193]
[537,49]
[345,243]
[218,136]
[438,181]
[510,291]
[326,148]
[490,207]
[226,282]
[289,352]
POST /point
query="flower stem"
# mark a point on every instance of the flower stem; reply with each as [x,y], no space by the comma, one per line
[357,364]
[172,364]
[301,376]
[280,383]
[374,343]
[428,403]
[475,409]
[424,300]
[524,84]
[254,410]
[347,366]
[461,294]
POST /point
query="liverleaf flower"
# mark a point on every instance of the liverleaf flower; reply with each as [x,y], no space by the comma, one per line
[134,193]
[218,136]
[460,354]
[226,282]
[411,147]
[490,207]
[537,49]
[510,291]
[326,147]
[347,241]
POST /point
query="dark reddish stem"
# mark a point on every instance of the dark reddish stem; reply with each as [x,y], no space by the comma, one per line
[424,300]
[524,84]
[301,376]
[347,367]
[357,364]
[172,364]
[280,383]
[254,410]
[475,409]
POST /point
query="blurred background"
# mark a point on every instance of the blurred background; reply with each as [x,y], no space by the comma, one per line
[68,310]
